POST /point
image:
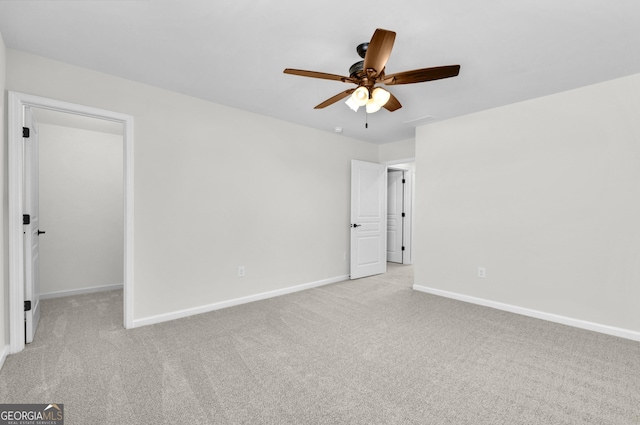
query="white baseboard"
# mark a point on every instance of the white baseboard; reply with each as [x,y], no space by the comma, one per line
[70,292]
[569,321]
[234,302]
[3,355]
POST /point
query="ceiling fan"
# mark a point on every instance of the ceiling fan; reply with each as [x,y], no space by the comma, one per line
[371,71]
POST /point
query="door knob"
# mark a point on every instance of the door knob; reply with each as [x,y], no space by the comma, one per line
[40,232]
[356,225]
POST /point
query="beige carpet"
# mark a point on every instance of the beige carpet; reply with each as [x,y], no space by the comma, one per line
[370,351]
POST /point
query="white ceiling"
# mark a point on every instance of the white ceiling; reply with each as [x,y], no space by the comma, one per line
[234,52]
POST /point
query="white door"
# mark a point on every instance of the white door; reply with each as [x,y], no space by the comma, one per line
[395,212]
[368,219]
[31,230]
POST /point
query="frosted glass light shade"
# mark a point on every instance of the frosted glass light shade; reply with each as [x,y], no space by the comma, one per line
[360,96]
[380,96]
[353,105]
[372,106]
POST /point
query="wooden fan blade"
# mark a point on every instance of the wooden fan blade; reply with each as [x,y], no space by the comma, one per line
[422,75]
[322,75]
[392,104]
[379,50]
[334,99]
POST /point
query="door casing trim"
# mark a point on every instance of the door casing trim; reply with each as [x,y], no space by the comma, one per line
[16,103]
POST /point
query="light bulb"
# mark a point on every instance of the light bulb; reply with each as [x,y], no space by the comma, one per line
[360,96]
[380,96]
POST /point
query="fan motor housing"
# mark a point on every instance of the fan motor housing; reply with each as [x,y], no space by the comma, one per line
[356,69]
[362,49]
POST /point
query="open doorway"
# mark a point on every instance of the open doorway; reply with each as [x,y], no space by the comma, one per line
[19,106]
[400,178]
[81,247]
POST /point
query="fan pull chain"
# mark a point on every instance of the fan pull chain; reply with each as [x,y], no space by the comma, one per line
[366,120]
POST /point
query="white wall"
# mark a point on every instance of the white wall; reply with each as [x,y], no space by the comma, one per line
[403,149]
[546,195]
[216,188]
[4,287]
[81,209]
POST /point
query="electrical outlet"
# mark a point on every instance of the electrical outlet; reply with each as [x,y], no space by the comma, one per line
[482,272]
[241,271]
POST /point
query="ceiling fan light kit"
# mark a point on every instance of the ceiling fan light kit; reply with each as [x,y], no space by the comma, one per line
[371,71]
[373,100]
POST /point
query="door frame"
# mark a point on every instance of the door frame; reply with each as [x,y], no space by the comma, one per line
[409,202]
[16,103]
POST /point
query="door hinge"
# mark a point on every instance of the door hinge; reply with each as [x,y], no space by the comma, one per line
[26,219]
[403,248]
[27,306]
[404,181]
[403,215]
[25,132]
